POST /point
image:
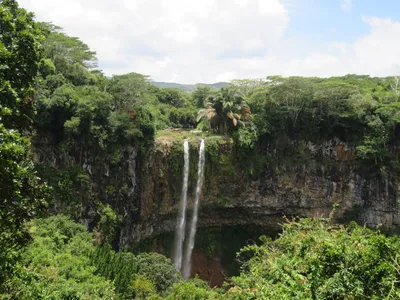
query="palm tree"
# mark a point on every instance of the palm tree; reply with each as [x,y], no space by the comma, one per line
[225,111]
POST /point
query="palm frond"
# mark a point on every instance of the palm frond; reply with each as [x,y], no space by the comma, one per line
[201,114]
[211,113]
[237,116]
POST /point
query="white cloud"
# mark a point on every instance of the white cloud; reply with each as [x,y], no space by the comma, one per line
[342,47]
[226,76]
[193,36]
[213,40]
[347,5]
[376,53]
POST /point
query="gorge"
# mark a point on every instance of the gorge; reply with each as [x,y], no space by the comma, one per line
[291,178]
[116,188]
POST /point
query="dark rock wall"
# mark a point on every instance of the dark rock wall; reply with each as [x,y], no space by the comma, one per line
[298,179]
[283,186]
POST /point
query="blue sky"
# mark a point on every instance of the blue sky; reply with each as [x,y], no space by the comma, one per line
[219,40]
[325,20]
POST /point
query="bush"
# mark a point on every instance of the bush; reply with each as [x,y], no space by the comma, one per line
[315,260]
[127,270]
[57,265]
[193,289]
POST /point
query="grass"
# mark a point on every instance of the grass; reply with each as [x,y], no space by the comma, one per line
[178,135]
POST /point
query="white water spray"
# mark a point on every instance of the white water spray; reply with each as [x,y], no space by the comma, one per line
[180,226]
[187,263]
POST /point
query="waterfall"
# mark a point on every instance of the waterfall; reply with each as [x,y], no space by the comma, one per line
[187,264]
[180,226]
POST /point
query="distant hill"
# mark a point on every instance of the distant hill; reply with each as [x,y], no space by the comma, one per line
[189,87]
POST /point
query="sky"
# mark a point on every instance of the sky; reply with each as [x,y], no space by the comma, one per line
[192,41]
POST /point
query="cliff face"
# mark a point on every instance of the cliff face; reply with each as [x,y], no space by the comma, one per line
[260,189]
[293,179]
[84,181]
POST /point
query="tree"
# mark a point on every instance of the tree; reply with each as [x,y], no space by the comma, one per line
[158,269]
[19,57]
[67,56]
[22,195]
[142,288]
[248,86]
[126,270]
[395,83]
[200,95]
[57,264]
[129,89]
[193,289]
[65,51]
[174,97]
[313,259]
[225,111]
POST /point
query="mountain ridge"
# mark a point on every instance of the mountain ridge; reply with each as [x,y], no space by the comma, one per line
[189,87]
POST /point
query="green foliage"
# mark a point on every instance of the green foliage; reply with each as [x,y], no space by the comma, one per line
[248,87]
[182,117]
[57,264]
[311,259]
[142,288]
[170,96]
[355,109]
[127,271]
[84,109]
[246,136]
[314,260]
[228,112]
[66,51]
[22,195]
[131,89]
[46,67]
[158,269]
[119,267]
[107,226]
[200,96]
[193,289]
[19,57]
[86,117]
[225,111]
[69,186]
[79,75]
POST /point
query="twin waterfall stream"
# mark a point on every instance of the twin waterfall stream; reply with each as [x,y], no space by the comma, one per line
[182,261]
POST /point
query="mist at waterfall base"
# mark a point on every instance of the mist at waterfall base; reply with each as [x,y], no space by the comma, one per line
[184,263]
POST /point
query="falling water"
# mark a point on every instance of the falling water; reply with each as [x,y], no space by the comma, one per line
[180,226]
[187,264]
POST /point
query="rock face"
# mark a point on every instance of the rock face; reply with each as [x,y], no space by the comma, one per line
[86,180]
[293,179]
[260,189]
[245,195]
